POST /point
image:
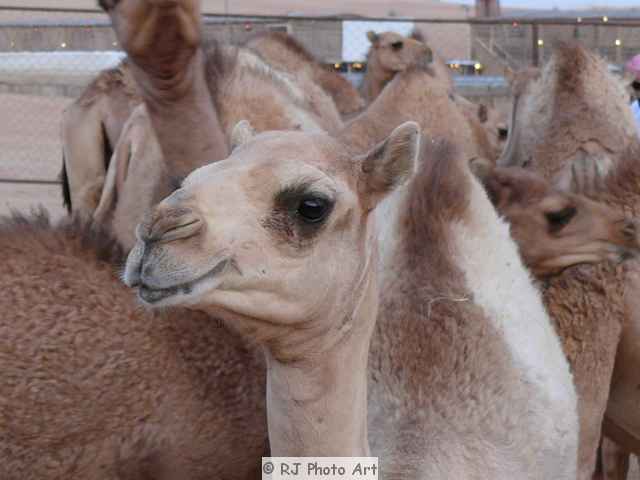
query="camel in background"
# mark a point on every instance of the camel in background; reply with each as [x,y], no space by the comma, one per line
[234,82]
[282,51]
[554,229]
[391,53]
[416,95]
[571,122]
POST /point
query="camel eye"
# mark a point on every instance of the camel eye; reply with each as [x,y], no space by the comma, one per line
[313,209]
[503,133]
[397,45]
[560,218]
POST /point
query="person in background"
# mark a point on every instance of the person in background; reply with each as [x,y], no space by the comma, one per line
[633,67]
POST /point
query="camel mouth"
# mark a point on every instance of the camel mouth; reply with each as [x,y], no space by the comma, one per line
[154,296]
[616,255]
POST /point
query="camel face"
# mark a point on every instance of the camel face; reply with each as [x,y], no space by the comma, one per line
[393,52]
[277,231]
[553,229]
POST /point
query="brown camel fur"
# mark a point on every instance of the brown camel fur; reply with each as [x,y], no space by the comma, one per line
[447,399]
[282,51]
[575,136]
[91,126]
[440,68]
[95,387]
[415,95]
[573,108]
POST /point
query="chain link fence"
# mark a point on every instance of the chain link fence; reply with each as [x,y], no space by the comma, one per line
[48,56]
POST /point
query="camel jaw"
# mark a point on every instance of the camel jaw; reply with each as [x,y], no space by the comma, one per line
[154,291]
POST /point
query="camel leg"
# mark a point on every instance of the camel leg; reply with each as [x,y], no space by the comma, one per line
[163,40]
[615,460]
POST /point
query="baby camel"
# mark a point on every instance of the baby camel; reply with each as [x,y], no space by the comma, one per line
[278,241]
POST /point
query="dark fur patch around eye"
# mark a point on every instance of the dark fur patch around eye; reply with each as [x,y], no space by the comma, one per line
[284,221]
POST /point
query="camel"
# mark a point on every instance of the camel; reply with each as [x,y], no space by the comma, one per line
[285,53]
[391,53]
[214,85]
[571,123]
[95,387]
[302,222]
[91,126]
[554,229]
[537,401]
[415,94]
[74,264]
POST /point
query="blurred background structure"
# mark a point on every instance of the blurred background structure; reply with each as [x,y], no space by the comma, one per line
[49,51]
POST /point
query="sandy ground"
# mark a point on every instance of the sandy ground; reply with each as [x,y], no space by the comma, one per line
[30,149]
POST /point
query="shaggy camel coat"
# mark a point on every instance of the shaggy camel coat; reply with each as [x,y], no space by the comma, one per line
[96,387]
[573,125]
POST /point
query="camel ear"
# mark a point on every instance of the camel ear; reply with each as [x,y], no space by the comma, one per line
[241,134]
[373,37]
[390,164]
[483,113]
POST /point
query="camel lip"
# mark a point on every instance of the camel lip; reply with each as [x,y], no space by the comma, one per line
[152,295]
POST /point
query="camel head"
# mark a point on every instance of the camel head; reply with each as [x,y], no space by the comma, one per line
[274,235]
[553,229]
[391,52]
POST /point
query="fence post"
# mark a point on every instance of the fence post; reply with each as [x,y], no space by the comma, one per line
[535,48]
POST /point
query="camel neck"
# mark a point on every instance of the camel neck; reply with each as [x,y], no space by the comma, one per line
[317,406]
[374,81]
